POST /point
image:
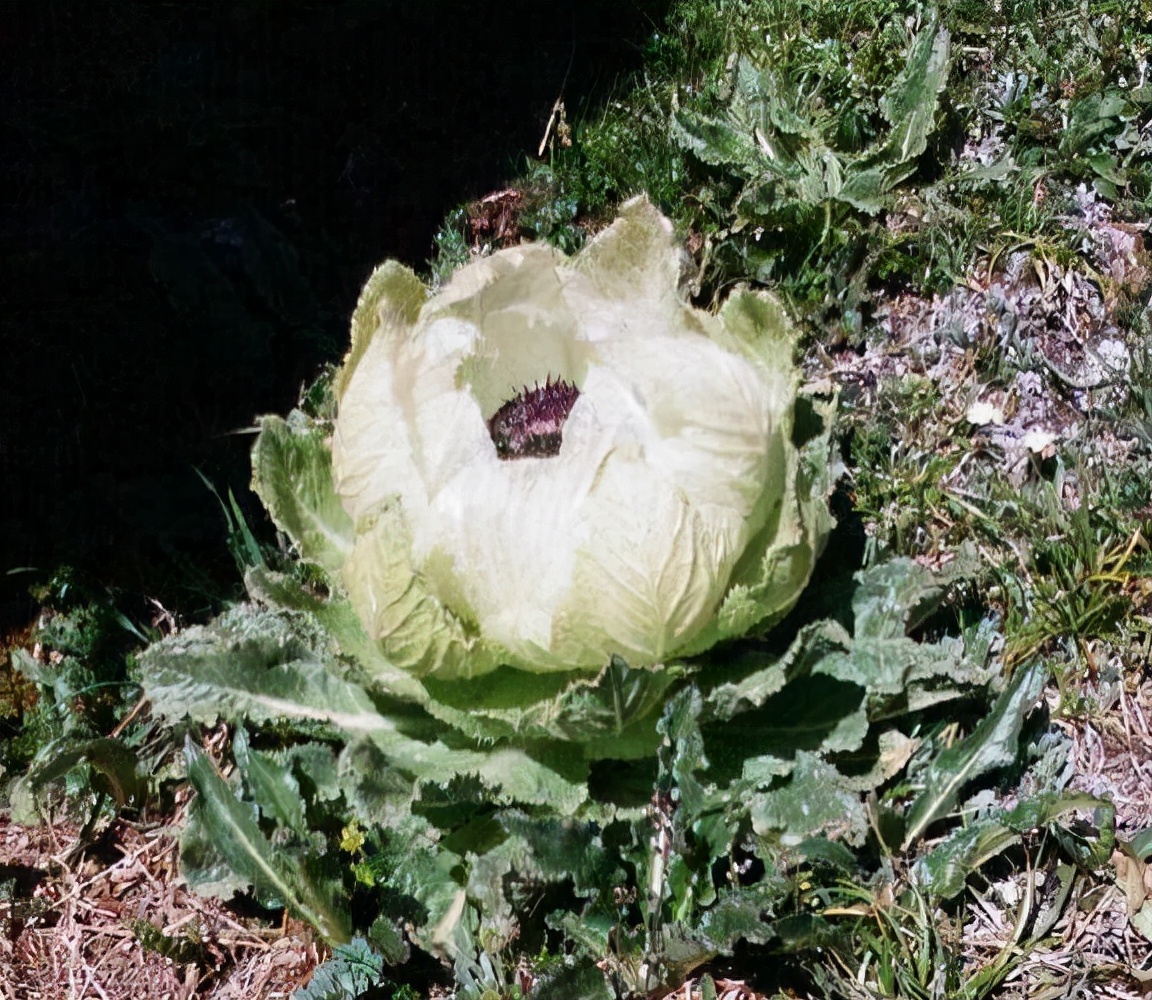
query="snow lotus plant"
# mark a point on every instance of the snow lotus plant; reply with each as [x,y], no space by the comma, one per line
[529,515]
[553,462]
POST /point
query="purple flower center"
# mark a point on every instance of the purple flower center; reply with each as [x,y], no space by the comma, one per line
[531,424]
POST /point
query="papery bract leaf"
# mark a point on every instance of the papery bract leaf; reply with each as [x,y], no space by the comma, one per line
[292,475]
[392,295]
[678,510]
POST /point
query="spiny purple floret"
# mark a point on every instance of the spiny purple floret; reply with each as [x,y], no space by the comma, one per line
[531,424]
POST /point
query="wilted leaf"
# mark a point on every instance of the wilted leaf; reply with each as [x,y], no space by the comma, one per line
[114,763]
[1134,877]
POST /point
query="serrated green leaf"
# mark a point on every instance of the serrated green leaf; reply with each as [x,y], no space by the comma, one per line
[237,837]
[611,714]
[992,744]
[315,763]
[256,665]
[830,852]
[431,877]
[781,142]
[740,914]
[534,774]
[900,674]
[387,937]
[342,627]
[866,188]
[683,753]
[262,665]
[589,934]
[557,849]
[715,142]
[763,675]
[894,597]
[814,802]
[377,794]
[115,764]
[571,978]
[815,714]
[271,786]
[911,103]
[292,475]
[204,867]
[944,871]
[352,970]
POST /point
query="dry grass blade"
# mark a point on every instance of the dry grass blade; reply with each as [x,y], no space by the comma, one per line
[124,927]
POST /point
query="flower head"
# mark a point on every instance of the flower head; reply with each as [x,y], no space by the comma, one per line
[555,460]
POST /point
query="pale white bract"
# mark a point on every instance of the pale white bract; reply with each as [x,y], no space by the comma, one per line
[677,513]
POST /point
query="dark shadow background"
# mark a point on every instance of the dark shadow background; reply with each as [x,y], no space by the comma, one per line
[191,195]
